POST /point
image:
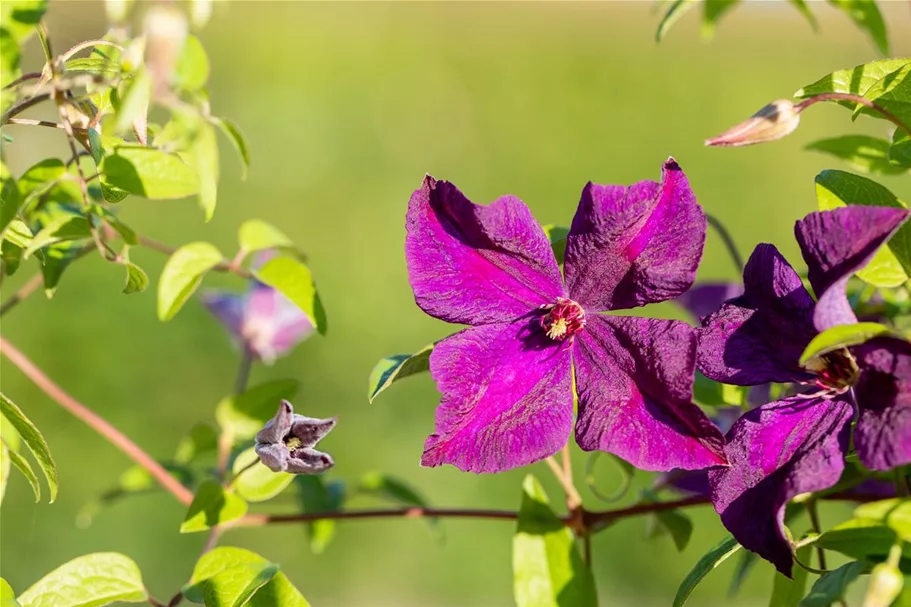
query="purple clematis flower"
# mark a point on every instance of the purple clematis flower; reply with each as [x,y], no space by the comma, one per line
[286,442]
[706,297]
[507,380]
[798,444]
[262,320]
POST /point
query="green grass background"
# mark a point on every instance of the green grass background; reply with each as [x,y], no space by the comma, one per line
[346,106]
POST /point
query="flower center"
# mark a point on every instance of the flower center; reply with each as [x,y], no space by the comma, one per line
[562,319]
[836,370]
[293,443]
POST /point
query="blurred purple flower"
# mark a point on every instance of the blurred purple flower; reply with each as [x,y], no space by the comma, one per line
[286,443]
[507,380]
[797,444]
[706,297]
[262,320]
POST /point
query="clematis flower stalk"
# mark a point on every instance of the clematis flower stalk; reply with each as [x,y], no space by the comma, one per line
[798,444]
[286,443]
[507,380]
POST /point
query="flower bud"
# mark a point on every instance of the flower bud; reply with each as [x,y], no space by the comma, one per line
[166,30]
[886,583]
[774,121]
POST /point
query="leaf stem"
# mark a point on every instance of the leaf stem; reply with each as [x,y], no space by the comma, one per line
[856,99]
[224,266]
[23,105]
[24,291]
[573,500]
[813,511]
[728,241]
[96,422]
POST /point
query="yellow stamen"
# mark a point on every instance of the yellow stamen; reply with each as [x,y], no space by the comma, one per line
[558,329]
[293,443]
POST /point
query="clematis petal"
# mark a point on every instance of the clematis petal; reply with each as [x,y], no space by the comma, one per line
[776,452]
[837,243]
[883,433]
[705,298]
[228,308]
[475,264]
[507,398]
[308,461]
[273,456]
[277,428]
[634,380]
[311,430]
[273,324]
[759,337]
[629,246]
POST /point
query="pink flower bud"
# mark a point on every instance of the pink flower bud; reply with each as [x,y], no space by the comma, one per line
[774,121]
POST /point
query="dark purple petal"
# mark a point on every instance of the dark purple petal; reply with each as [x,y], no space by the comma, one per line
[629,246]
[776,452]
[759,337]
[692,482]
[475,264]
[273,456]
[837,243]
[705,298]
[311,430]
[634,378]
[507,398]
[883,433]
[277,428]
[308,461]
[228,308]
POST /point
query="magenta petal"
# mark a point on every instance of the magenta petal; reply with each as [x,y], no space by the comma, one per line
[475,264]
[629,246]
[634,381]
[883,433]
[507,398]
[776,452]
[759,337]
[837,243]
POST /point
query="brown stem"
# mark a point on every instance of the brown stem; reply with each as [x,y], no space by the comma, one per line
[97,423]
[24,291]
[225,266]
[573,500]
[23,78]
[30,122]
[23,105]
[855,99]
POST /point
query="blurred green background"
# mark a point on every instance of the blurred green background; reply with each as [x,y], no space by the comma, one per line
[346,106]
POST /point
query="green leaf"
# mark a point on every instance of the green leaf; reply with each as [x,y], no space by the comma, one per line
[33,440]
[132,481]
[21,17]
[557,236]
[278,591]
[192,71]
[864,153]
[88,581]
[236,137]
[182,274]
[10,54]
[132,102]
[63,228]
[866,15]
[832,586]
[7,596]
[126,232]
[137,280]
[714,557]
[894,513]
[10,200]
[893,94]
[891,265]
[861,539]
[900,150]
[149,173]
[21,464]
[18,234]
[787,592]
[257,235]
[244,415]
[674,12]
[745,563]
[5,466]
[675,523]
[234,587]
[294,280]
[93,66]
[712,12]
[11,255]
[547,568]
[317,495]
[48,181]
[854,80]
[804,10]
[842,336]
[398,366]
[211,506]
[255,482]
[202,156]
[57,258]
[201,439]
[715,394]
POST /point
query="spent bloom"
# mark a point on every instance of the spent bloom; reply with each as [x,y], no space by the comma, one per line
[798,444]
[286,442]
[507,379]
[261,320]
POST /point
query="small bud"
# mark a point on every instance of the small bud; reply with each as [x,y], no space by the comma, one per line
[117,10]
[166,30]
[774,121]
[886,583]
[200,12]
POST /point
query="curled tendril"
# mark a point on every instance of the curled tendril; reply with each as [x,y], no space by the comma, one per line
[619,493]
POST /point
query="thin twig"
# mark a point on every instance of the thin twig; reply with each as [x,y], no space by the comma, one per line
[84,45]
[225,266]
[24,291]
[97,423]
[30,122]
[573,500]
[23,78]
[728,241]
[856,99]
[23,105]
